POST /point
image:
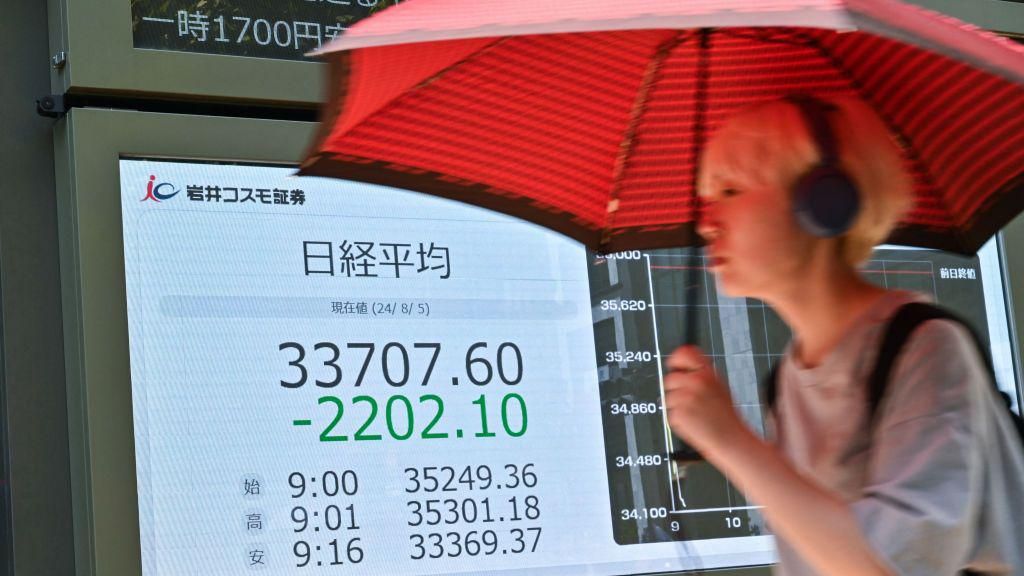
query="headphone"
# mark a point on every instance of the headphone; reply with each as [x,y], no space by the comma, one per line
[825,198]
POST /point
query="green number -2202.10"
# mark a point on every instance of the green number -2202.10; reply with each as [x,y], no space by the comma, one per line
[400,418]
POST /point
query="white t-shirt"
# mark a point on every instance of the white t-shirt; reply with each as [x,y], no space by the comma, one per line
[928,482]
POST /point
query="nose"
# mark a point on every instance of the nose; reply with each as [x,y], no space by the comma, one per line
[708,224]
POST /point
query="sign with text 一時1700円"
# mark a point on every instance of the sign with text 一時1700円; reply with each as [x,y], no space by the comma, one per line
[279,29]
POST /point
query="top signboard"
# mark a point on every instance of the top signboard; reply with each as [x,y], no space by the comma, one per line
[283,29]
[247,52]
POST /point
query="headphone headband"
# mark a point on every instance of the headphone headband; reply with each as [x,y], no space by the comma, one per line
[825,199]
[815,112]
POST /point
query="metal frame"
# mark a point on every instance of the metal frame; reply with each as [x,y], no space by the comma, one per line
[6,502]
[95,37]
[88,145]
[1011,258]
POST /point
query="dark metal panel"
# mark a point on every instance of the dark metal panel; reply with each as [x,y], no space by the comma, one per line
[997,15]
[38,517]
[92,41]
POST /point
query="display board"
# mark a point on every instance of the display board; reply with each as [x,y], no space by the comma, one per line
[332,374]
[204,442]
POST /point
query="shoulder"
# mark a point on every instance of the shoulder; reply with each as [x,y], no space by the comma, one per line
[943,334]
[941,344]
[939,370]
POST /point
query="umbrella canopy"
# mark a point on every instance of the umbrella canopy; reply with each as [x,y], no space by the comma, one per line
[588,116]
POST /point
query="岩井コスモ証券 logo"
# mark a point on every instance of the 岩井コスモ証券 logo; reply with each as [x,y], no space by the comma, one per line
[217,194]
[158,192]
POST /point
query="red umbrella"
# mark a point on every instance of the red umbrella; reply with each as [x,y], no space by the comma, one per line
[588,116]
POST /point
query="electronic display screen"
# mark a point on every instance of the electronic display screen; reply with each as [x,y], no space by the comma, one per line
[331,375]
[639,317]
[278,29]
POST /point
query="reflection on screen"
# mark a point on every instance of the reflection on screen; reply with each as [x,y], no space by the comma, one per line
[639,317]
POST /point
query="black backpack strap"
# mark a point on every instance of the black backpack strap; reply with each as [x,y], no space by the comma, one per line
[902,324]
[769,387]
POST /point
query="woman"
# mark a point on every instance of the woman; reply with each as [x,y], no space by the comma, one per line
[914,492]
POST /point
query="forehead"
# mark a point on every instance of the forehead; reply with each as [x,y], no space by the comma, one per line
[735,158]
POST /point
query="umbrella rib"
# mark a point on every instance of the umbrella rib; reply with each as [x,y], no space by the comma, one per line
[454,65]
[905,142]
[431,79]
[635,114]
[776,36]
[322,136]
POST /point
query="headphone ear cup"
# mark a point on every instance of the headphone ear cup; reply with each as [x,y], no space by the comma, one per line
[826,202]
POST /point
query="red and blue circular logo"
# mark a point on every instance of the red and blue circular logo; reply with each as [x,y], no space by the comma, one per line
[159,192]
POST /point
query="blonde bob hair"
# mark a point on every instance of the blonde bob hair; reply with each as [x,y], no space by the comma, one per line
[770,144]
